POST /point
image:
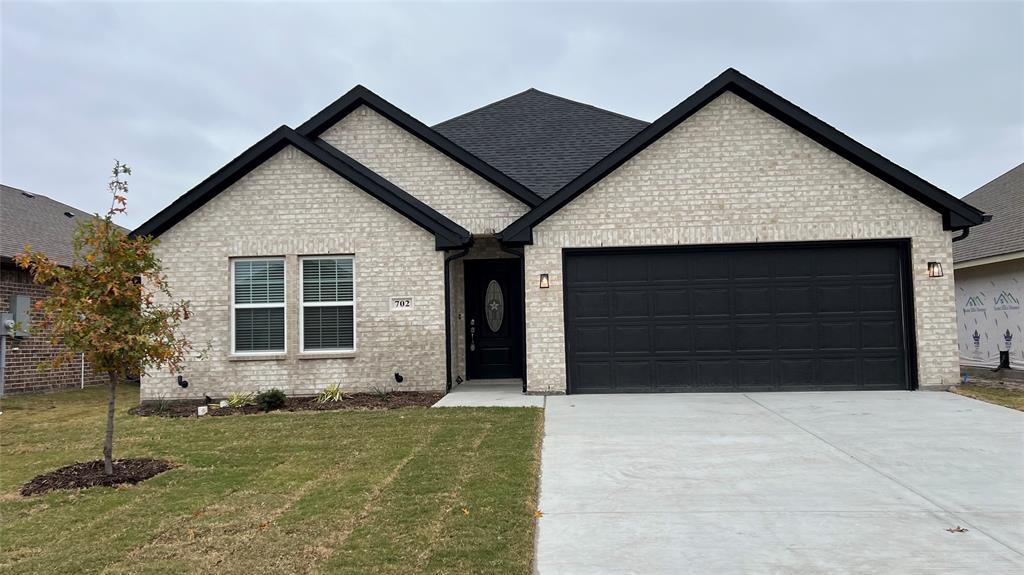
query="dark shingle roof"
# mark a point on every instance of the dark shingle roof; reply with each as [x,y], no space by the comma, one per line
[1003,199]
[541,140]
[29,218]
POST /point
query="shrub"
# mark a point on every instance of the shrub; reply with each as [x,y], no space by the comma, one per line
[330,395]
[270,400]
[241,399]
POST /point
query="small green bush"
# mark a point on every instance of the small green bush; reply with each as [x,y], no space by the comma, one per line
[270,400]
[330,395]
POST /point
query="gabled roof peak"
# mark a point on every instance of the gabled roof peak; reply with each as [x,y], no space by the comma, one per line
[540,139]
[956,214]
[447,234]
[361,96]
[531,91]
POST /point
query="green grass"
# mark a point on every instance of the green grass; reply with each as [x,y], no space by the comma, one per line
[405,491]
[1011,398]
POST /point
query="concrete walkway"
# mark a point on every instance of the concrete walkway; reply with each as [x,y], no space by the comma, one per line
[861,482]
[490,393]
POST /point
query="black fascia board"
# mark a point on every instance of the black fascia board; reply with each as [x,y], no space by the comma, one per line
[448,235]
[956,214]
[362,96]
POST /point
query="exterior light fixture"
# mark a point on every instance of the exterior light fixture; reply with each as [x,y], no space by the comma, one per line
[934,270]
[545,283]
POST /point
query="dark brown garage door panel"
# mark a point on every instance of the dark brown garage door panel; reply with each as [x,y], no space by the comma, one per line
[736,318]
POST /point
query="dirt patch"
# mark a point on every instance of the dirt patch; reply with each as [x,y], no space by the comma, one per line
[90,474]
[356,401]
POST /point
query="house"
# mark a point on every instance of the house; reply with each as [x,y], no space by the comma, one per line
[735,243]
[49,226]
[989,274]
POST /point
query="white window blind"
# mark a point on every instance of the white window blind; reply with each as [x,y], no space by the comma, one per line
[328,304]
[258,311]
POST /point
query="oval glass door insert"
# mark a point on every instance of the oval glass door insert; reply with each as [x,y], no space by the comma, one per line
[494,306]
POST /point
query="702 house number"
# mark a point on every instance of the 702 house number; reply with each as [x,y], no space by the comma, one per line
[401,303]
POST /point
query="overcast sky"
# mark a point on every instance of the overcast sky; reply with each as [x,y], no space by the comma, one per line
[177,90]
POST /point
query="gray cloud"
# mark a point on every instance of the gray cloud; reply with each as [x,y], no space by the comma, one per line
[177,90]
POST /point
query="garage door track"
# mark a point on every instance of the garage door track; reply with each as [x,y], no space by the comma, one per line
[838,482]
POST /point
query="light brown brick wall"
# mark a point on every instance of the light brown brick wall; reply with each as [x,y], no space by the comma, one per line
[22,373]
[419,169]
[291,206]
[733,174]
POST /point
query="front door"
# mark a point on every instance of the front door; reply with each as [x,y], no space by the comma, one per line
[494,307]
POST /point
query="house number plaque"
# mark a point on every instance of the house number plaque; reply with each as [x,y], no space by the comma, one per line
[401,303]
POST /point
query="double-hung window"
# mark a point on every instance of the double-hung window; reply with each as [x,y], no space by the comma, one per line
[328,304]
[257,305]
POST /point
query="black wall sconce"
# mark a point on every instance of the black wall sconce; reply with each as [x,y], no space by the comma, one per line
[545,283]
[934,270]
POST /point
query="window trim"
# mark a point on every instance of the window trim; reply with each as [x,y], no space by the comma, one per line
[283,305]
[303,305]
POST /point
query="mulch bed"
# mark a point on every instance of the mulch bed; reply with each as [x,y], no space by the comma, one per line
[90,474]
[356,401]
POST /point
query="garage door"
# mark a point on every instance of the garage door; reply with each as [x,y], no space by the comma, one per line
[737,318]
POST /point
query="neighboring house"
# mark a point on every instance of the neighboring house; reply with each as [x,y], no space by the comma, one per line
[735,243]
[49,226]
[990,276]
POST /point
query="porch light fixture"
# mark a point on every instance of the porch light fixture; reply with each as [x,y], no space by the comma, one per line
[934,270]
[545,283]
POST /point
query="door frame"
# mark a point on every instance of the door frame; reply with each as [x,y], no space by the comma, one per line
[906,276]
[518,316]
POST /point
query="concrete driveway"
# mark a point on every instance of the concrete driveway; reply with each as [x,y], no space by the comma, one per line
[859,482]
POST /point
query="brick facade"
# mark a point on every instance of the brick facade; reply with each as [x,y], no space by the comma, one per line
[292,206]
[733,174]
[22,373]
[419,169]
[440,182]
[729,174]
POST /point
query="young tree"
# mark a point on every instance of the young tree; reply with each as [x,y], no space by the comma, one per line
[105,304]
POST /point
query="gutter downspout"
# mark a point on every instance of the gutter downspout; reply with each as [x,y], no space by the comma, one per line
[448,315]
[522,289]
[985,218]
[82,355]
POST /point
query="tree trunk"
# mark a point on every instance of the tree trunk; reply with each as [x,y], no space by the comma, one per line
[108,443]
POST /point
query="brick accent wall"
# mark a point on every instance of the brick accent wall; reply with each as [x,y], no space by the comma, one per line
[24,356]
[733,174]
[421,170]
[292,206]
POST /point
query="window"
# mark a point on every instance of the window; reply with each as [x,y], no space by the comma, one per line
[257,305]
[328,304]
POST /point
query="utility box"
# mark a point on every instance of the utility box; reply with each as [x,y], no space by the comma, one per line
[21,308]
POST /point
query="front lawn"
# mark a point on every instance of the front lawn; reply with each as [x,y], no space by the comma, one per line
[1012,398]
[411,490]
